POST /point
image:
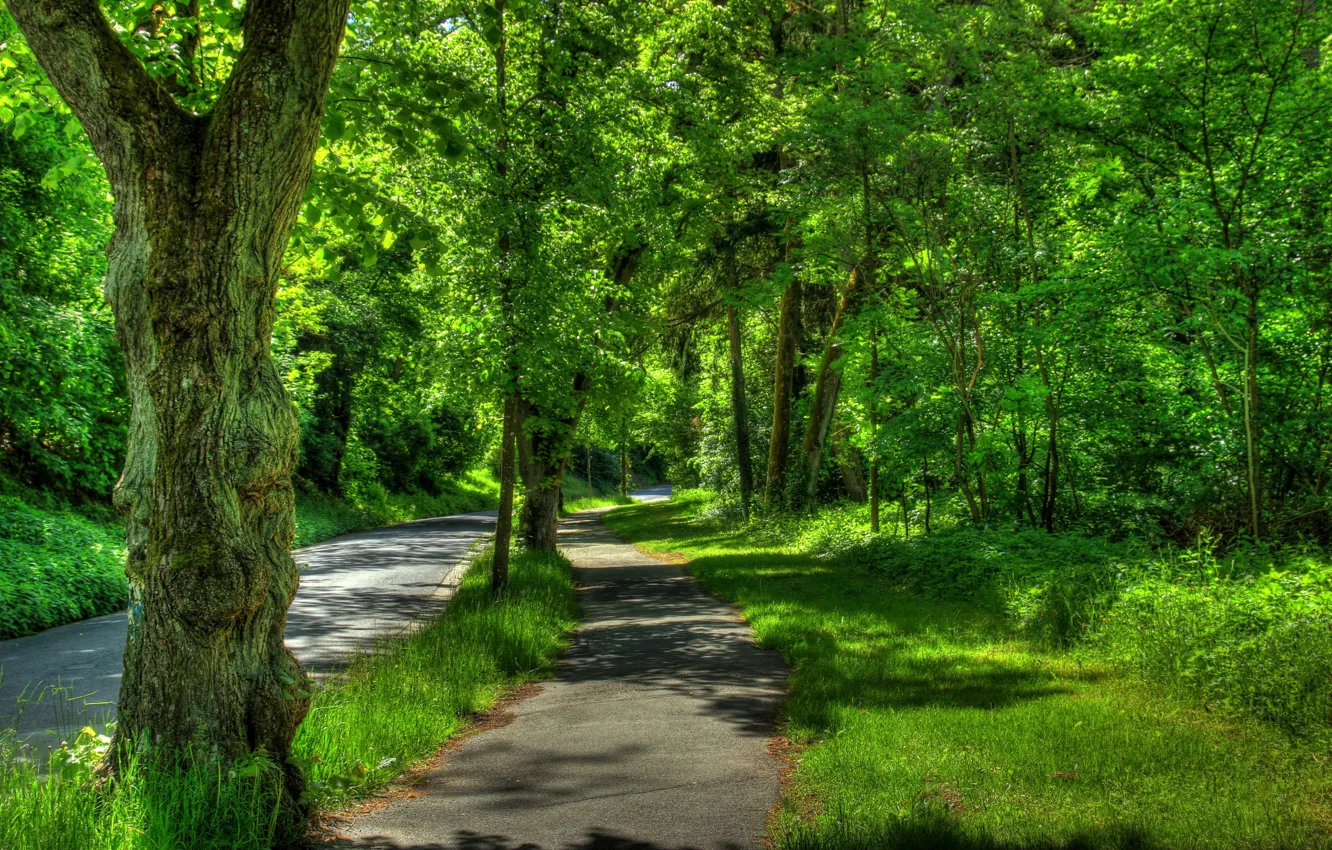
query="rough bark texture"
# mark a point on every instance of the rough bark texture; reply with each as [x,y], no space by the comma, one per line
[788,331]
[204,206]
[499,575]
[826,389]
[543,452]
[852,465]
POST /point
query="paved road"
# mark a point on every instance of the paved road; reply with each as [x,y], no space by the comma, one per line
[353,588]
[653,737]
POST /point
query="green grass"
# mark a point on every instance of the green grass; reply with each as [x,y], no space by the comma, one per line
[929,723]
[579,497]
[391,709]
[319,517]
[59,566]
[56,566]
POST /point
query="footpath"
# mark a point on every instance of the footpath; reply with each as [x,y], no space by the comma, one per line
[653,736]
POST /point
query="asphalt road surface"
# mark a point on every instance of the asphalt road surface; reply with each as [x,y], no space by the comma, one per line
[353,588]
[654,735]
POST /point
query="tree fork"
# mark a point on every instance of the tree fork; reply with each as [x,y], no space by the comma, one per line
[204,207]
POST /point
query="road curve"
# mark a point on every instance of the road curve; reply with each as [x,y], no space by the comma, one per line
[353,588]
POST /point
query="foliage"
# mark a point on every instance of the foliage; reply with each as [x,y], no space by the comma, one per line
[56,567]
[920,722]
[1247,632]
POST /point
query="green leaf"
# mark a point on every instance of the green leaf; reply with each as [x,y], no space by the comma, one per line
[335,127]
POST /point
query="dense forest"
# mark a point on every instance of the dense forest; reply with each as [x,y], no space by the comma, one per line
[1022,304]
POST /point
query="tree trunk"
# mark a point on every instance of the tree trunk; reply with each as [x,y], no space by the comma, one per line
[543,452]
[624,464]
[851,462]
[740,410]
[204,206]
[874,431]
[788,330]
[826,388]
[1252,427]
[925,479]
[499,576]
[1050,487]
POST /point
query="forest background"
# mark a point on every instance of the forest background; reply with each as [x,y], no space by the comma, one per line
[1027,304]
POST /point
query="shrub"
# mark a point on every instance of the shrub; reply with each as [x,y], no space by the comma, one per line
[56,567]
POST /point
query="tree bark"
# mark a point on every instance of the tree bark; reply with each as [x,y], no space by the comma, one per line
[1252,424]
[788,331]
[851,462]
[740,409]
[204,206]
[1050,487]
[874,431]
[544,449]
[624,469]
[826,388]
[499,575]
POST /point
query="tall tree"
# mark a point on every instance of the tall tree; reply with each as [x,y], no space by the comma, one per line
[204,205]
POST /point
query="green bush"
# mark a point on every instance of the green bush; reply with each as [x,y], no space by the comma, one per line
[1256,642]
[1249,633]
[56,567]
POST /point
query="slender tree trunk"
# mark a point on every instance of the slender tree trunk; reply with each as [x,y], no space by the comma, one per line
[740,410]
[874,432]
[925,477]
[906,516]
[499,576]
[624,468]
[1050,488]
[960,468]
[1252,425]
[826,388]
[788,331]
[204,206]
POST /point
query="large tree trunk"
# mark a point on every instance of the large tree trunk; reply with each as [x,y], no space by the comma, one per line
[826,388]
[543,452]
[788,331]
[204,206]
[740,409]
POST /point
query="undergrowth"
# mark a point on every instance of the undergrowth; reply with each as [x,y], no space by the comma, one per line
[319,517]
[56,566]
[923,717]
[392,708]
[1247,630]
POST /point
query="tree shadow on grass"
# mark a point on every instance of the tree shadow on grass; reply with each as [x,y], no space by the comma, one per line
[938,831]
[465,839]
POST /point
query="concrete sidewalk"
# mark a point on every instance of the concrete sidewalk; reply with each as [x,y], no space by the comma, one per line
[654,736]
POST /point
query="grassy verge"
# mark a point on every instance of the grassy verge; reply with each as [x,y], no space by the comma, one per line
[579,497]
[58,566]
[930,723]
[320,517]
[390,709]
